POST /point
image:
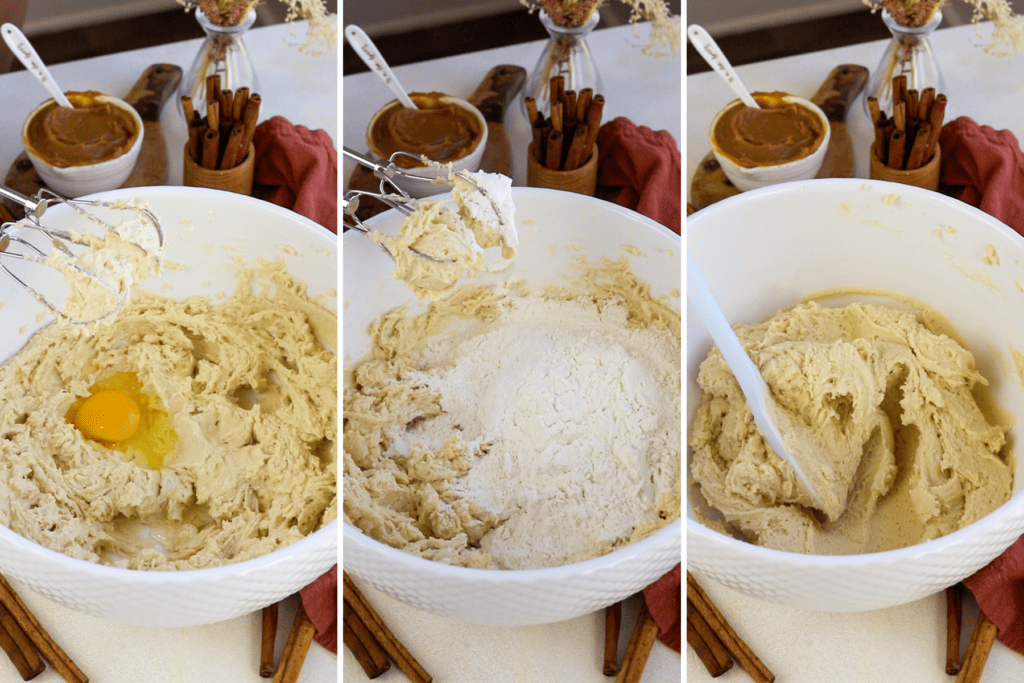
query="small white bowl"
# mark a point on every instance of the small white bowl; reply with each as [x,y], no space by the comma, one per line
[761,176]
[75,181]
[425,185]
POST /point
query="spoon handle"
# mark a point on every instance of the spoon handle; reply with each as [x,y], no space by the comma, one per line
[24,51]
[754,388]
[712,54]
[368,52]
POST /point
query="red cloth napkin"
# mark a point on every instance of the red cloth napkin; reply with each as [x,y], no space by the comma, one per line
[320,599]
[298,169]
[645,166]
[664,600]
[984,167]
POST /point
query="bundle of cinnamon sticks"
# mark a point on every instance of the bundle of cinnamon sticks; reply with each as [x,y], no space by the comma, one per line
[907,139]
[220,140]
[300,637]
[714,640]
[371,641]
[27,643]
[565,140]
[982,638]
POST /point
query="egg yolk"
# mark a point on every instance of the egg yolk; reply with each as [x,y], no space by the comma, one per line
[119,415]
[108,416]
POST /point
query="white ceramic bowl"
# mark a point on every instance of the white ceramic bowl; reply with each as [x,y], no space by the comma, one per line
[75,181]
[424,184]
[761,176]
[768,249]
[206,230]
[555,228]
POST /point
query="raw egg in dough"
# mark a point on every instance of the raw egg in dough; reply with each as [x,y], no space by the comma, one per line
[119,415]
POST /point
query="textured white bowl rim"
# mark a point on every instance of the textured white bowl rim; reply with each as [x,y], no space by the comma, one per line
[184,576]
[103,165]
[942,543]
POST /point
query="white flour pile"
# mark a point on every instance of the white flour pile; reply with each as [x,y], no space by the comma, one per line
[548,436]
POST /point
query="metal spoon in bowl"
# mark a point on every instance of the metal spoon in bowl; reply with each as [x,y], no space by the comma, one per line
[28,56]
[759,397]
[712,54]
[369,53]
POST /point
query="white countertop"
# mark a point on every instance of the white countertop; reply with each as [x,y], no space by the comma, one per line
[904,643]
[647,90]
[303,89]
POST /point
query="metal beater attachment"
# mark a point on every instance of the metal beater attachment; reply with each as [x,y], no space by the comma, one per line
[392,194]
[28,244]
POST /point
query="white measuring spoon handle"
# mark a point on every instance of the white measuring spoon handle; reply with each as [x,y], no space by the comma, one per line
[24,51]
[712,54]
[369,53]
[754,388]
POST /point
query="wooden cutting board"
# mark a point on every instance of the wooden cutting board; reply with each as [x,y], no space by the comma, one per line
[835,97]
[149,95]
[492,97]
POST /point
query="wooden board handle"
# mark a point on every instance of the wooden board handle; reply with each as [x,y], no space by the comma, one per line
[840,89]
[496,92]
[156,85]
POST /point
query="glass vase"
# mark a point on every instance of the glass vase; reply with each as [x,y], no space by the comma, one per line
[223,53]
[908,53]
[565,54]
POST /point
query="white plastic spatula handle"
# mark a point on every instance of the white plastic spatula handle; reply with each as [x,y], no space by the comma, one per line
[754,388]
[24,51]
[369,53]
[712,54]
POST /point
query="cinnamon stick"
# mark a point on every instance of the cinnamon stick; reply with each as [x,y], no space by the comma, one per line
[897,147]
[919,149]
[212,88]
[612,622]
[924,104]
[899,115]
[718,661]
[539,136]
[583,103]
[899,88]
[977,651]
[395,650]
[738,649]
[227,104]
[874,109]
[881,147]
[556,116]
[213,114]
[553,150]
[19,648]
[954,615]
[556,88]
[233,152]
[269,636]
[299,639]
[913,102]
[574,158]
[211,147]
[594,113]
[645,632]
[531,110]
[188,109]
[249,118]
[42,641]
[238,104]
[358,639]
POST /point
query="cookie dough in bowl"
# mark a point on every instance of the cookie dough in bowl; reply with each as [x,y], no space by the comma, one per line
[853,276]
[227,499]
[478,541]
